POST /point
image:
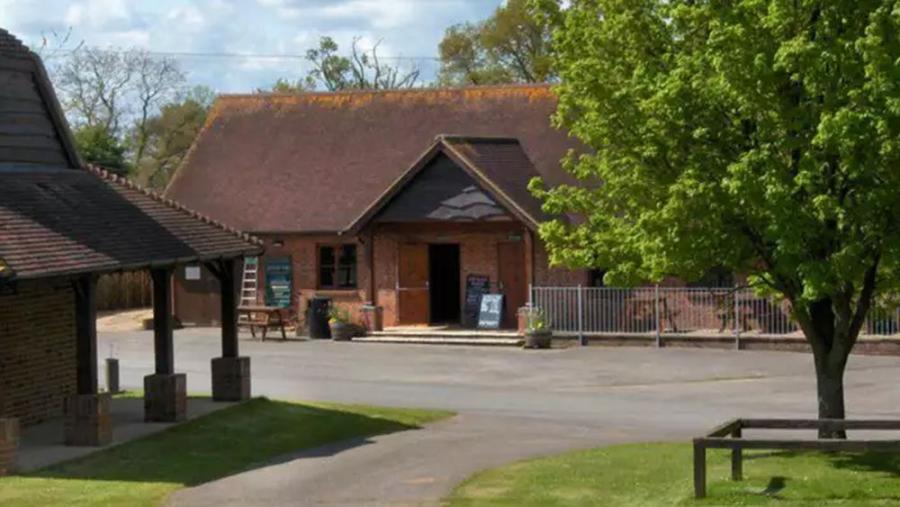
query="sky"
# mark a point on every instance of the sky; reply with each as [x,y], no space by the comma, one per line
[409,30]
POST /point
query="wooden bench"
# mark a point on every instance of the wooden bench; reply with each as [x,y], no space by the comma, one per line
[262,317]
[729,436]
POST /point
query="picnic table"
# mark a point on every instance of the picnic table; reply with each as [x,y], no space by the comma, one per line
[262,317]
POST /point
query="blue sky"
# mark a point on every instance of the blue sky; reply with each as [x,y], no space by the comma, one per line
[407,28]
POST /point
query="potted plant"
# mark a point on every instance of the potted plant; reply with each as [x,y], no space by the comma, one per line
[339,323]
[538,334]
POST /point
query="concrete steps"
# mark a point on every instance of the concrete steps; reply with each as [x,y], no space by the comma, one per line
[483,341]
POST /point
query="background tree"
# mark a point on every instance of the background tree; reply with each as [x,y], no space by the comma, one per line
[360,70]
[170,135]
[512,45]
[97,145]
[763,136]
[156,82]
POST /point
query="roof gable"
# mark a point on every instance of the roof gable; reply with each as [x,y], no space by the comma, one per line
[438,184]
[314,162]
[33,132]
[442,190]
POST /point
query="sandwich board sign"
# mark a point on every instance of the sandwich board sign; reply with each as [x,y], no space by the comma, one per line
[491,312]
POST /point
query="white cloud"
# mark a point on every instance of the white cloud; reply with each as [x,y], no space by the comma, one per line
[406,28]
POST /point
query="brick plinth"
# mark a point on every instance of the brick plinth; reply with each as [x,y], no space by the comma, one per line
[87,420]
[231,378]
[165,398]
[9,444]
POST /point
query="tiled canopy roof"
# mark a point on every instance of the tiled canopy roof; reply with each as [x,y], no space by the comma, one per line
[59,218]
[314,162]
[65,221]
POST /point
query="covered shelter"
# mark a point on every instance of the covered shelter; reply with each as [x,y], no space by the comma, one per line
[63,224]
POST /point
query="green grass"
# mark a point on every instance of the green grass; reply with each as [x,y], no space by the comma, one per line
[649,475]
[143,472]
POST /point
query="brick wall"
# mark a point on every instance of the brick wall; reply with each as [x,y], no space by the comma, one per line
[37,350]
[303,250]
[478,255]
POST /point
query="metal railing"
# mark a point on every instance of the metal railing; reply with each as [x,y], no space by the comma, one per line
[686,311]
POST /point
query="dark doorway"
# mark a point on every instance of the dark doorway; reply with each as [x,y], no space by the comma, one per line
[443,263]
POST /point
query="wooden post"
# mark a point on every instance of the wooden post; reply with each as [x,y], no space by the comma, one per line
[699,469]
[230,373]
[162,321]
[737,463]
[86,334]
[228,289]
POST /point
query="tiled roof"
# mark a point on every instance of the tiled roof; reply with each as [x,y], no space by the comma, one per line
[57,222]
[314,162]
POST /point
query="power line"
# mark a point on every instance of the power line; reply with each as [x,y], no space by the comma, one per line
[224,55]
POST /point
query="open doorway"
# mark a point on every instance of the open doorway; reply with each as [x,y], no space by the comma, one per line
[443,263]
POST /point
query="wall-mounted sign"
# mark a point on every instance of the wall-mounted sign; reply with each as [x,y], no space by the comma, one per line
[490,315]
[192,272]
[278,282]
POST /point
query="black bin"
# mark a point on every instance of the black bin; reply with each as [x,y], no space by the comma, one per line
[317,316]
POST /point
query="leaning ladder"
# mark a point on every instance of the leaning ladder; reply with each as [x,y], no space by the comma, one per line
[250,281]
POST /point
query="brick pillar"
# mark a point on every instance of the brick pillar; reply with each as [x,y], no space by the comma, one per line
[165,397]
[9,444]
[87,420]
[231,378]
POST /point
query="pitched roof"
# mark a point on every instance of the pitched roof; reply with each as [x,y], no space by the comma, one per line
[63,221]
[315,162]
[58,217]
[498,165]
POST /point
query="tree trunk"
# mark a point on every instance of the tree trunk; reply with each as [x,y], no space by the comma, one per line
[830,390]
[827,339]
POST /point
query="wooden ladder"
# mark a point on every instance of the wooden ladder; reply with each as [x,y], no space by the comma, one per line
[250,281]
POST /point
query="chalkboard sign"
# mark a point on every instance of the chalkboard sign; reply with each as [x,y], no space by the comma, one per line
[491,312]
[476,286]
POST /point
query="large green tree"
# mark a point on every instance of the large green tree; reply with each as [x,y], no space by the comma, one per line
[759,135]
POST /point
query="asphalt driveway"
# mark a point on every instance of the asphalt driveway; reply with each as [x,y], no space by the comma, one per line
[512,404]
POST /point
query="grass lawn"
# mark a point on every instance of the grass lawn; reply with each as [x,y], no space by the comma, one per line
[661,475]
[143,472]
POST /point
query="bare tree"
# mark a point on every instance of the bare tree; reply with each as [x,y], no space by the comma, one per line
[362,70]
[157,81]
[94,85]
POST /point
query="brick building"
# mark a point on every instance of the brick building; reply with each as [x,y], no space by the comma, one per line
[393,198]
[62,224]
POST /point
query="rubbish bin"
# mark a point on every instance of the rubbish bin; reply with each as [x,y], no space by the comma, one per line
[317,316]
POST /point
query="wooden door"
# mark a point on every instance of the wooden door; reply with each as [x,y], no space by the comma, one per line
[413,298]
[511,269]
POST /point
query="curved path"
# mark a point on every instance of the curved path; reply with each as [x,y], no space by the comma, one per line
[512,404]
